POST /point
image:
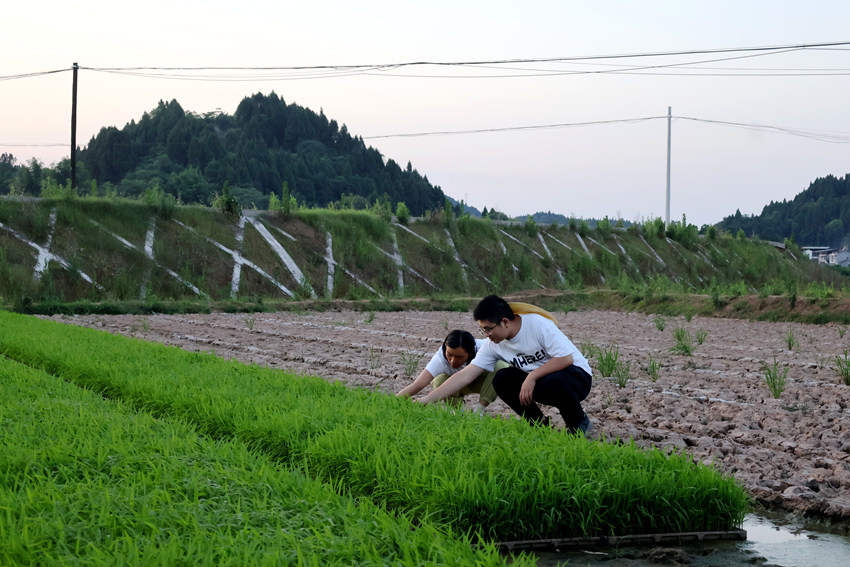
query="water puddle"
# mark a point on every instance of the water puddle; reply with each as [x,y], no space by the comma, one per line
[771,542]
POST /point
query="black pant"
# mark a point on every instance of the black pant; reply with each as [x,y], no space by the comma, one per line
[564,389]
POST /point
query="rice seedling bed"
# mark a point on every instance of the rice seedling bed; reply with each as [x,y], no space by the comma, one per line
[87,481]
[682,538]
[497,480]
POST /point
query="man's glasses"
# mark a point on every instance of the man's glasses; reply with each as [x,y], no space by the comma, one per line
[487,330]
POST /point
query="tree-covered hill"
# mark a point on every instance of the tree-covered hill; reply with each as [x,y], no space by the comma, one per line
[819,216]
[263,145]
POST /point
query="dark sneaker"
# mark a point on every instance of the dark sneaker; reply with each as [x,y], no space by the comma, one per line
[584,425]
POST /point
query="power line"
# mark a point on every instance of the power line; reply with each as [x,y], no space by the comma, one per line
[305,72]
[820,136]
[30,75]
[830,137]
[513,128]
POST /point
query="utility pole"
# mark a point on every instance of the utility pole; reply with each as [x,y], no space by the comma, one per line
[74,131]
[669,128]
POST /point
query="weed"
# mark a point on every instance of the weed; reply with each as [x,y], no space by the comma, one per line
[374,359]
[249,321]
[445,323]
[607,360]
[841,330]
[409,361]
[588,349]
[622,373]
[146,326]
[660,322]
[701,334]
[842,365]
[652,368]
[791,341]
[369,318]
[823,361]
[684,342]
[775,378]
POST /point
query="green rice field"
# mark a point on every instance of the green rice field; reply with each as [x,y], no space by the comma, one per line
[118,451]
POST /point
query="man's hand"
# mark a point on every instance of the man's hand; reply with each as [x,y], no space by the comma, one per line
[527,391]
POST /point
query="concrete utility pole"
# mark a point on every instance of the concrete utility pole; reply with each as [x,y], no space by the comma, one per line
[669,128]
[74,130]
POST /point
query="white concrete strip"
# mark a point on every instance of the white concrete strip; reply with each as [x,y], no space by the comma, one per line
[284,256]
[329,258]
[463,267]
[236,275]
[583,245]
[419,236]
[48,257]
[149,238]
[398,262]
[241,260]
[657,257]
[549,254]
[44,253]
[533,251]
[148,251]
[601,246]
[564,244]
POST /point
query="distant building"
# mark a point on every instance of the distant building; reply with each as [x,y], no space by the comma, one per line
[840,258]
[819,254]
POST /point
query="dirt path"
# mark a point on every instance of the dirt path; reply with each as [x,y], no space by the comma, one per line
[792,452]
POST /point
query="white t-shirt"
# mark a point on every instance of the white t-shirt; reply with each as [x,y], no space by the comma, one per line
[537,341]
[440,365]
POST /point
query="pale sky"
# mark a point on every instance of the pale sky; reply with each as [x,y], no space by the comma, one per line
[612,167]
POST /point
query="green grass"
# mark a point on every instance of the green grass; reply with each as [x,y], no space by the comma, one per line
[411,459]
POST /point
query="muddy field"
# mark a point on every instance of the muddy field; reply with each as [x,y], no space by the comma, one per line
[792,452]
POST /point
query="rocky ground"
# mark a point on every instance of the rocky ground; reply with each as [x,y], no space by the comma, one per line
[790,452]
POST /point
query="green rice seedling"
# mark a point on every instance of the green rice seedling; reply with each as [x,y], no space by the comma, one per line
[607,360]
[684,342]
[791,341]
[842,366]
[701,335]
[119,487]
[824,360]
[409,362]
[622,373]
[652,368]
[374,359]
[841,330]
[369,318]
[588,349]
[660,322]
[250,319]
[385,450]
[775,378]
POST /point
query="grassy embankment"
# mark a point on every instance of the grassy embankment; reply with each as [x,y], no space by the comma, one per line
[357,258]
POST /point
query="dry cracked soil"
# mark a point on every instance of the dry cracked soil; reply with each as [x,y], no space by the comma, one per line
[790,453]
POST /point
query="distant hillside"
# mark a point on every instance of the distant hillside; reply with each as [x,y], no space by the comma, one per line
[264,144]
[819,216]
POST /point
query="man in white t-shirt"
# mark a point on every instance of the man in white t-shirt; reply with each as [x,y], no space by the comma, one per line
[545,366]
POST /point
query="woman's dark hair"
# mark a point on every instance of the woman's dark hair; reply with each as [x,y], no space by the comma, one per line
[462,339]
[493,309]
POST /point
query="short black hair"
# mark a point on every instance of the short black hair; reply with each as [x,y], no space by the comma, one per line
[493,309]
[462,339]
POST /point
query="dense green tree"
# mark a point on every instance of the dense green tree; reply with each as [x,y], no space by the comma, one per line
[265,142]
[817,216]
